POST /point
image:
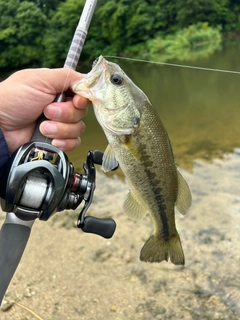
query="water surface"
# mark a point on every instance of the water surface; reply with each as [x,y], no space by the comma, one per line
[200,109]
[201,114]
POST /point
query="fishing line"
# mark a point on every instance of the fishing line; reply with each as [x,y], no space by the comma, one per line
[71,59]
[175,65]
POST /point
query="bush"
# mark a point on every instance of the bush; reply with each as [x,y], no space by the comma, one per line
[189,43]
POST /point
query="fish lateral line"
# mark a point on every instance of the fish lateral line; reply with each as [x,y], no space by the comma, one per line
[138,152]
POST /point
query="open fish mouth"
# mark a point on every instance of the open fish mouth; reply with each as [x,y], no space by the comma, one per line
[100,60]
[85,86]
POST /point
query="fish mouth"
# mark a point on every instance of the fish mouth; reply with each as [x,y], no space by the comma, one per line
[84,86]
[98,62]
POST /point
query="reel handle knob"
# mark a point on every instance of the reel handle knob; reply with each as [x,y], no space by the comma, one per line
[101,227]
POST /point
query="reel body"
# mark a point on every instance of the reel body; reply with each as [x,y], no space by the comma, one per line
[40,180]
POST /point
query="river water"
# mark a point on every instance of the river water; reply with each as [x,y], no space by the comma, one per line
[201,112]
[200,109]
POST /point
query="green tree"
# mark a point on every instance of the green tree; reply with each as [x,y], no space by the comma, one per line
[166,20]
[233,18]
[62,27]
[189,12]
[22,29]
[47,6]
[117,27]
[126,23]
[40,31]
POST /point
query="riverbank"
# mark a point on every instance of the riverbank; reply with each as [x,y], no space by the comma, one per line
[66,274]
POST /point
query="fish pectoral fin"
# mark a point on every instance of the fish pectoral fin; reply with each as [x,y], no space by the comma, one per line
[184,197]
[133,208]
[109,162]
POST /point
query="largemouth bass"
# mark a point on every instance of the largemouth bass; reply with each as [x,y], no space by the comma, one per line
[139,142]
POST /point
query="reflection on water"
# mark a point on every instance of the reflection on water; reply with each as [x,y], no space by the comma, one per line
[200,109]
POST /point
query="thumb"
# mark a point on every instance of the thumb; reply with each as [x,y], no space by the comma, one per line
[58,80]
[49,81]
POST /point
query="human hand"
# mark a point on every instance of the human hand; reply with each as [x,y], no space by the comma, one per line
[26,94]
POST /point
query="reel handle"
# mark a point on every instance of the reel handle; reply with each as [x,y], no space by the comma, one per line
[101,227]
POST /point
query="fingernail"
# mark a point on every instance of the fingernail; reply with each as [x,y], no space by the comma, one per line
[59,143]
[53,111]
[49,128]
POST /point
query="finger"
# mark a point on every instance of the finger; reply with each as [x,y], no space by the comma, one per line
[50,81]
[61,131]
[66,144]
[59,80]
[80,102]
[64,112]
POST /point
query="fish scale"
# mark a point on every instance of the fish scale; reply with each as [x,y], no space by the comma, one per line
[139,142]
[158,187]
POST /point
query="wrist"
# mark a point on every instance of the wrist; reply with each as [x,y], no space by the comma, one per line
[5,154]
[14,139]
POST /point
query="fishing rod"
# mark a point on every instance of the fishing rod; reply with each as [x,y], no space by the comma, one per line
[73,55]
[40,180]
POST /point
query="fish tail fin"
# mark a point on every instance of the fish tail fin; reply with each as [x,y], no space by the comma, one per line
[158,249]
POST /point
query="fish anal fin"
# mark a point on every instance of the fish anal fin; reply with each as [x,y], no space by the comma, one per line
[184,197]
[157,250]
[133,208]
[109,161]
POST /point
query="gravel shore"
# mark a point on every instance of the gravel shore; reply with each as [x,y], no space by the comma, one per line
[67,274]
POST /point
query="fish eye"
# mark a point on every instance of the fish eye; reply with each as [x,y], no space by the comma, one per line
[116,79]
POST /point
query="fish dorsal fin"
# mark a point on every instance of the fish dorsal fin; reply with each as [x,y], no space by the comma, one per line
[184,197]
[109,161]
[133,208]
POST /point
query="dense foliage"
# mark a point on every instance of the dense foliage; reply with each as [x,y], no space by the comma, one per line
[39,32]
[193,42]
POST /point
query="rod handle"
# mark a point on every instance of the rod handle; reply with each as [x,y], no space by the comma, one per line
[37,136]
[13,240]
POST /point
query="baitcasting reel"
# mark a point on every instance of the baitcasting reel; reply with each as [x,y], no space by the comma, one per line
[40,180]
